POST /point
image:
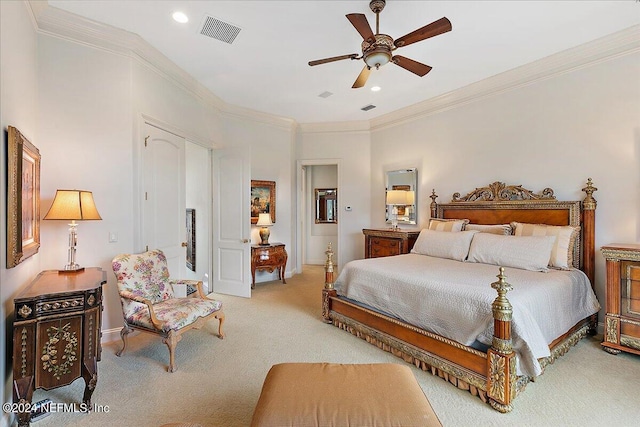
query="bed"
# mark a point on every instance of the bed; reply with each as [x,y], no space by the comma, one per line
[497,342]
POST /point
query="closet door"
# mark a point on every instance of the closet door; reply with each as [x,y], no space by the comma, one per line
[164,204]
[232,222]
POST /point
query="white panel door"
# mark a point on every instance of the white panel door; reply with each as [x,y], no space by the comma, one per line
[232,229]
[164,205]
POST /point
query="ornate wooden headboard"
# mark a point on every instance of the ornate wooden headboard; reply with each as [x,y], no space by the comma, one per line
[498,203]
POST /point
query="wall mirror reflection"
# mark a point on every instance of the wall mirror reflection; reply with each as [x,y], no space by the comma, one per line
[326,205]
[401,196]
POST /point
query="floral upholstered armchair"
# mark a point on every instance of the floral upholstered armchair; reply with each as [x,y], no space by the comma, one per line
[148,301]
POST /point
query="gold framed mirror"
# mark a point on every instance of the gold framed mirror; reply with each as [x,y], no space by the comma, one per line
[326,205]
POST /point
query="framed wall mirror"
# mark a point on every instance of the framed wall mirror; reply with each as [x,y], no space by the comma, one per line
[401,196]
[326,206]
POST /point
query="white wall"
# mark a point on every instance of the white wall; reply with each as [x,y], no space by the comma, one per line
[19,108]
[351,148]
[554,133]
[86,143]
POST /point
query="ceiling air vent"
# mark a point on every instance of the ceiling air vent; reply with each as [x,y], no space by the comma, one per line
[219,30]
[368,107]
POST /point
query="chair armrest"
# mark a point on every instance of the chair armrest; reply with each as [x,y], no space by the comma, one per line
[152,314]
[195,283]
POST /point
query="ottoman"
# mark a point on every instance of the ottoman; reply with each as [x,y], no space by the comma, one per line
[326,394]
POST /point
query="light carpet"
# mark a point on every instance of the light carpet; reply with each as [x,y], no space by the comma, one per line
[218,382]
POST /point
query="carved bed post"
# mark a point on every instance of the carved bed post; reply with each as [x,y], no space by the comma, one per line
[328,290]
[501,359]
[588,231]
[589,205]
[433,206]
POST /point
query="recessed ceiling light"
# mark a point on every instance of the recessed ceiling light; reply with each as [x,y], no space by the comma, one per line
[375,88]
[180,17]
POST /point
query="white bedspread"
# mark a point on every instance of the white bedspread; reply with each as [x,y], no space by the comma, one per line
[453,299]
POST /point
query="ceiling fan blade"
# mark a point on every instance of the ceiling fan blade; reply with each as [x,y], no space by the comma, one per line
[410,65]
[438,27]
[333,58]
[362,77]
[359,21]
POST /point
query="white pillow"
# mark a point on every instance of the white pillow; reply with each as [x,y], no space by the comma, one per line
[502,229]
[443,244]
[525,252]
[447,224]
[562,252]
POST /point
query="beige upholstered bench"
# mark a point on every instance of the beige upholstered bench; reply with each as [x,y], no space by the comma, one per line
[326,394]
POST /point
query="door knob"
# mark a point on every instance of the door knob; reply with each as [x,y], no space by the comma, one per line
[245,240]
[184,244]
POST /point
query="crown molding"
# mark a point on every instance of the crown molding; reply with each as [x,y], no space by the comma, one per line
[621,43]
[235,111]
[335,127]
[62,24]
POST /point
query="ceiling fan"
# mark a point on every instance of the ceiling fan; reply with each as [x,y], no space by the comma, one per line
[377,48]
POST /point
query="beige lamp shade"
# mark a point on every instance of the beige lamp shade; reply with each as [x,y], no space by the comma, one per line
[264,220]
[397,197]
[411,197]
[73,205]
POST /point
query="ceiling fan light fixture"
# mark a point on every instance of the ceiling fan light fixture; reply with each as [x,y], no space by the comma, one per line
[377,58]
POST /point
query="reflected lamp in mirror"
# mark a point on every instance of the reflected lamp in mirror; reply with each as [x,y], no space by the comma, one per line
[403,180]
[264,221]
[73,205]
[396,198]
[326,205]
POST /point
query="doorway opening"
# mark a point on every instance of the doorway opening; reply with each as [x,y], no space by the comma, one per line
[314,236]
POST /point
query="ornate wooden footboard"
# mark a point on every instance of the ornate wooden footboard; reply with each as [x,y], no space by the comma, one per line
[489,375]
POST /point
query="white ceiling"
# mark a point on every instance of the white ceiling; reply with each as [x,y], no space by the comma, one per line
[265,68]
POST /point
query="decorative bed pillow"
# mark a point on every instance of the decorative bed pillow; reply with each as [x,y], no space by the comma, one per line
[562,252]
[442,244]
[501,229]
[524,252]
[447,224]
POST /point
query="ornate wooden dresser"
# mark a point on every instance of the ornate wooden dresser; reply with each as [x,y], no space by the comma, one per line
[268,257]
[622,319]
[56,334]
[386,242]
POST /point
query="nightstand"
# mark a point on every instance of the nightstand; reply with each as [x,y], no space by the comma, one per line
[387,242]
[622,318]
[268,257]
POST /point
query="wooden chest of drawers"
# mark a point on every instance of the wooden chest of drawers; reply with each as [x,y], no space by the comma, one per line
[622,319]
[268,257]
[381,242]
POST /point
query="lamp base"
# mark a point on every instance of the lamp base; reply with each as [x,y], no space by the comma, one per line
[264,235]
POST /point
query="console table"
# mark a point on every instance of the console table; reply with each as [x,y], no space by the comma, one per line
[268,257]
[56,334]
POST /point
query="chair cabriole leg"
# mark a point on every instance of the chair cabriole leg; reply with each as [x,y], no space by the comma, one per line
[126,330]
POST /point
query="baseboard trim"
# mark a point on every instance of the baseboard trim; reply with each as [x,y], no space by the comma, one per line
[110,335]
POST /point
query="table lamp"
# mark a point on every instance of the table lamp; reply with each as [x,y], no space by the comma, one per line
[264,221]
[72,205]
